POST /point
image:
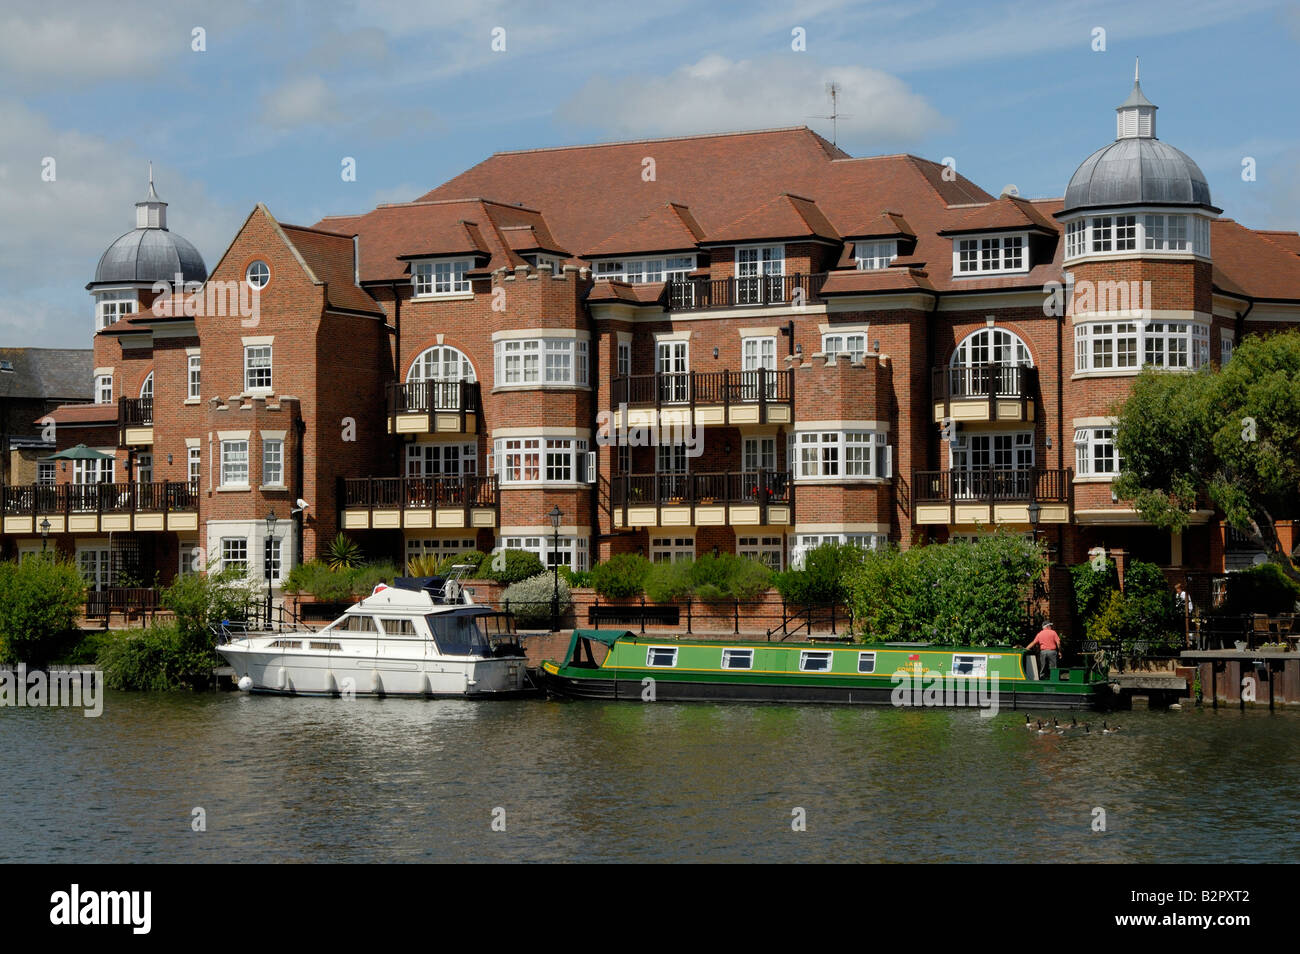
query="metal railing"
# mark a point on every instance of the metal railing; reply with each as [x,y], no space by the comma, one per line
[993,485]
[417,493]
[706,388]
[159,496]
[694,294]
[420,397]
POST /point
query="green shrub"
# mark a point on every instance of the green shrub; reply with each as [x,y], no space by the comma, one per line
[1261,589]
[362,579]
[510,566]
[727,577]
[973,594]
[158,659]
[530,599]
[1092,588]
[621,576]
[669,582]
[822,576]
[40,600]
[338,586]
[201,601]
[472,558]
[575,578]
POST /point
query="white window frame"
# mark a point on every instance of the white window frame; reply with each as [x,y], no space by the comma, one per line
[257,275]
[765,548]
[230,545]
[272,461]
[46,472]
[671,549]
[103,389]
[807,656]
[441,277]
[194,379]
[548,362]
[641,270]
[623,360]
[231,465]
[528,460]
[1091,452]
[438,546]
[733,655]
[258,366]
[1227,341]
[652,657]
[194,464]
[990,254]
[441,459]
[568,550]
[866,657]
[825,455]
[852,343]
[979,666]
[112,307]
[875,254]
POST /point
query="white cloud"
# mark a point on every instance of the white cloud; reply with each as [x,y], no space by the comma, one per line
[56,231]
[302,101]
[718,93]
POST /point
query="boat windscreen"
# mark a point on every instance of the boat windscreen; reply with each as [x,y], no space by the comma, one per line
[459,635]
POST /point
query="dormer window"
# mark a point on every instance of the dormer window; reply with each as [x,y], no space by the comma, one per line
[556,263]
[870,255]
[112,307]
[673,268]
[989,254]
[441,278]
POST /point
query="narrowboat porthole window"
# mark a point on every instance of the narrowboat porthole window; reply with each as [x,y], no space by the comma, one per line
[661,656]
[970,665]
[866,662]
[814,661]
[738,659]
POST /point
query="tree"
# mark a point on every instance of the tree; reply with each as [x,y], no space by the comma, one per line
[1229,437]
[40,599]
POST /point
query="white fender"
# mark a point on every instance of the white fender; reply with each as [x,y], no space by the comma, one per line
[281,678]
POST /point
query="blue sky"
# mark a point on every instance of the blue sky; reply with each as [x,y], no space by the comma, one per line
[415,93]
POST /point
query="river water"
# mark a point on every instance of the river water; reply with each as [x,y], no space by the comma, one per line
[400,780]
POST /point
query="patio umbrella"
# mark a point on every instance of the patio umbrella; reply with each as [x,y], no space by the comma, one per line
[80,452]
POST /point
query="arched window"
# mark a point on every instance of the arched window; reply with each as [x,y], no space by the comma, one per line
[988,360]
[433,383]
[146,389]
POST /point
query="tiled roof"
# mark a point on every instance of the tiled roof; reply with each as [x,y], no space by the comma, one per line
[883,226]
[876,280]
[329,256]
[58,373]
[669,228]
[634,293]
[785,216]
[1254,264]
[83,414]
[1008,212]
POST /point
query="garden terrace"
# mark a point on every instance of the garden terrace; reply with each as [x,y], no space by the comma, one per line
[393,503]
[94,508]
[434,407]
[747,498]
[991,495]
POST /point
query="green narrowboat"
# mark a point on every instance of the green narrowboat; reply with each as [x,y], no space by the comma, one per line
[613,664]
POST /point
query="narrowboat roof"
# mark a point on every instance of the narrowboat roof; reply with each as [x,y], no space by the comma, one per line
[611,636]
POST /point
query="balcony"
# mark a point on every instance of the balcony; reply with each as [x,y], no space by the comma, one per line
[101,508]
[984,392]
[433,407]
[706,397]
[746,498]
[134,422]
[699,294]
[992,495]
[423,503]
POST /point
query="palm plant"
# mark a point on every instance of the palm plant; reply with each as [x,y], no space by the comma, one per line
[344,553]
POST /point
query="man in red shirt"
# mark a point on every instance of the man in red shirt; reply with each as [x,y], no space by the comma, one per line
[1048,642]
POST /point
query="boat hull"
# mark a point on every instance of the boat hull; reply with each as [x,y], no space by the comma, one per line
[628,688]
[304,674]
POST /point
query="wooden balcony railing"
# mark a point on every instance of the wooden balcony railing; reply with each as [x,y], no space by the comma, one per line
[994,383]
[993,485]
[135,412]
[763,487]
[706,388]
[420,397]
[694,294]
[418,493]
[159,496]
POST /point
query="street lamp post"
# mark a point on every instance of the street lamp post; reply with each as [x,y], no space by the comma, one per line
[45,533]
[266,559]
[1035,511]
[556,516]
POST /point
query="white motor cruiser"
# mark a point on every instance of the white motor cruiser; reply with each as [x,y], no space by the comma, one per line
[420,637]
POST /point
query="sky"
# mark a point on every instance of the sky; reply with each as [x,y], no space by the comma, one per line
[269,98]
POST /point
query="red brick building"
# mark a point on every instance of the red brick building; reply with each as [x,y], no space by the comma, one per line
[745,342]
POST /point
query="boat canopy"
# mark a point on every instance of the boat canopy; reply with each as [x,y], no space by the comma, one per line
[607,636]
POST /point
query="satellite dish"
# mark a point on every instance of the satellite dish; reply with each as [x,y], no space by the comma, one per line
[1010,189]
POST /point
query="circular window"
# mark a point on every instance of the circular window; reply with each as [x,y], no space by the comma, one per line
[258,274]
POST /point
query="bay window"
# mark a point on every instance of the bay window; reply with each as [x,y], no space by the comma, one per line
[111,307]
[641,270]
[234,463]
[847,454]
[1128,345]
[554,361]
[1155,232]
[529,460]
